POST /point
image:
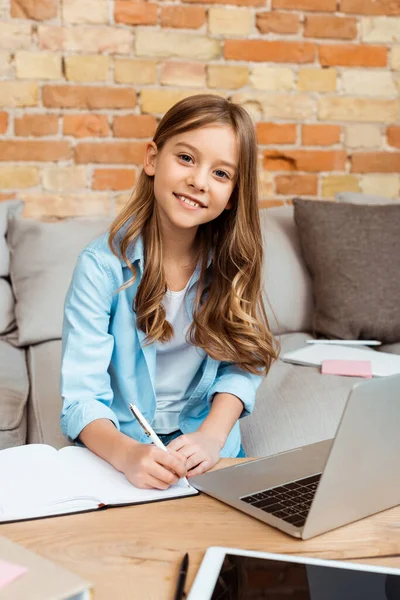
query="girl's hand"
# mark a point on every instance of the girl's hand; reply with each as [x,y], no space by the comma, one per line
[200,449]
[147,467]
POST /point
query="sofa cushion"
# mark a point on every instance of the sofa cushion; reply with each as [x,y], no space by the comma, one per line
[295,405]
[7,317]
[44,363]
[43,257]
[7,208]
[14,387]
[391,348]
[287,282]
[353,253]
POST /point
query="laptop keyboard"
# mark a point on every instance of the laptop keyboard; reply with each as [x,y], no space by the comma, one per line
[290,502]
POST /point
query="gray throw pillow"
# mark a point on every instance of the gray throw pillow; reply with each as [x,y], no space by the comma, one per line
[43,257]
[285,275]
[353,254]
[7,318]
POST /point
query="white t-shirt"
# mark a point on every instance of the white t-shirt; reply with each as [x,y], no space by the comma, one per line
[177,365]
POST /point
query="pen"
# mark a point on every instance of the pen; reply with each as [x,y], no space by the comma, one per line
[179,594]
[347,342]
[149,431]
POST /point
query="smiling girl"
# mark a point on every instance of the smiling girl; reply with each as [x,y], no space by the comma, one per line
[166,311]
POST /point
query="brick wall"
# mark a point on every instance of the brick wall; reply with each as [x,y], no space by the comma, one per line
[83,83]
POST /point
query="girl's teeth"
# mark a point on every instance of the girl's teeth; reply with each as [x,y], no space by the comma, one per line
[187,201]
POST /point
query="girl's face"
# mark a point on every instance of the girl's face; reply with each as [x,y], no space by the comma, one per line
[194,175]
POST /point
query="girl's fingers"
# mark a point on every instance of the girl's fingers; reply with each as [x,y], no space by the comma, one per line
[177,443]
[163,475]
[195,459]
[172,461]
[201,468]
[188,451]
[154,483]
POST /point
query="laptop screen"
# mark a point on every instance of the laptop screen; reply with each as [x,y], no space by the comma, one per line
[250,578]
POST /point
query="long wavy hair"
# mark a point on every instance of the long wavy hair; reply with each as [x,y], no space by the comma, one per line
[229,317]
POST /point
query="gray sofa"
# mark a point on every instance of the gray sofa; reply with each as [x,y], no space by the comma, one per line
[295,405]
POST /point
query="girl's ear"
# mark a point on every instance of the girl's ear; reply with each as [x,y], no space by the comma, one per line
[150,158]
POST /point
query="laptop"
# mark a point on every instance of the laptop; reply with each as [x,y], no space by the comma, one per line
[315,488]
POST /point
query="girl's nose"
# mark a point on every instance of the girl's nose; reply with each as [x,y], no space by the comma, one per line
[199,181]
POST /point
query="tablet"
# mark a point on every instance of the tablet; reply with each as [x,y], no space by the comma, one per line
[233,574]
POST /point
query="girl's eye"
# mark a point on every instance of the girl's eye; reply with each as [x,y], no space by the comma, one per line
[185,157]
[222,174]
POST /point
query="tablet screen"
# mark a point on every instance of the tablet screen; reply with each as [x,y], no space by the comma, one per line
[250,578]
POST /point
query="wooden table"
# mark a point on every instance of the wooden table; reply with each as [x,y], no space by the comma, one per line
[135,552]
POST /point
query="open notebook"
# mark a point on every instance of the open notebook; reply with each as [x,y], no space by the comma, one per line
[39,481]
[382,363]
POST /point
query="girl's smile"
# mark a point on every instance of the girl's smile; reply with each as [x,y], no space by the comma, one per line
[189,202]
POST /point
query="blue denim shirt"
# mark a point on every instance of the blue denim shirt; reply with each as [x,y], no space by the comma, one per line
[105,364]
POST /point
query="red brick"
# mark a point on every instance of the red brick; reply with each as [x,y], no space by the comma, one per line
[90,125]
[270,203]
[305,160]
[276,133]
[7,196]
[393,136]
[371,7]
[36,125]
[3,122]
[318,26]
[306,185]
[269,51]
[186,17]
[92,97]
[113,179]
[232,2]
[135,12]
[272,22]
[135,126]
[190,74]
[318,5]
[375,162]
[110,152]
[34,9]
[33,150]
[348,55]
[320,135]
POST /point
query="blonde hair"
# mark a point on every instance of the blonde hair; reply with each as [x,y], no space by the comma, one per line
[229,317]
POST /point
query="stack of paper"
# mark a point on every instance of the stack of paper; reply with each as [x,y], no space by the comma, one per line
[382,363]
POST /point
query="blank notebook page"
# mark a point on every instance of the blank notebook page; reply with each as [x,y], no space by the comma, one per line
[33,478]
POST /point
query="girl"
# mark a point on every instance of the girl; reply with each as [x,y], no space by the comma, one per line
[166,311]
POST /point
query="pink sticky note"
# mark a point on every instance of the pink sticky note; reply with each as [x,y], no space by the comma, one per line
[352,368]
[9,572]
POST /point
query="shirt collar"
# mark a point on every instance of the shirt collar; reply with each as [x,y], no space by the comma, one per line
[134,251]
